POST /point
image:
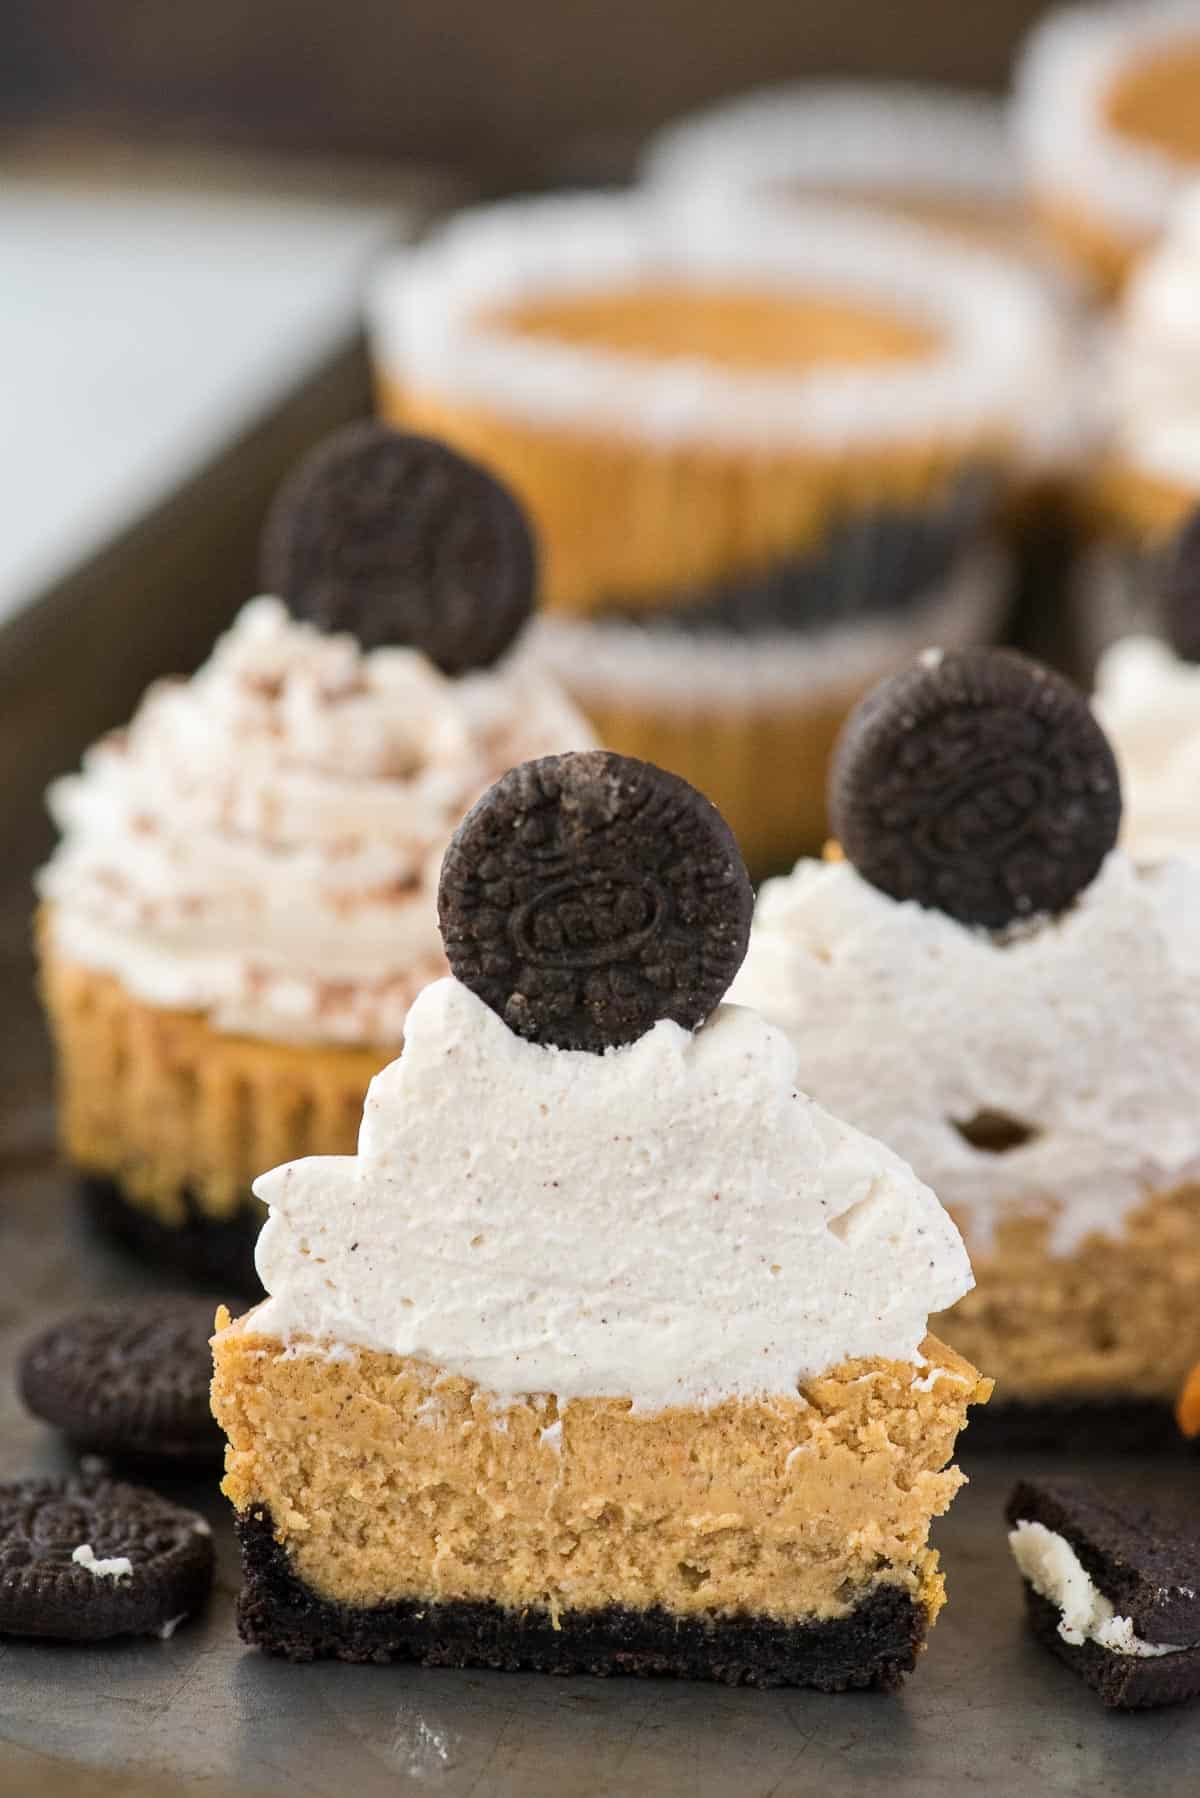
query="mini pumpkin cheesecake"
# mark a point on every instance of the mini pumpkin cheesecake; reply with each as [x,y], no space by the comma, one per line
[242,905]
[758,460]
[1107,113]
[607,1352]
[1012,1003]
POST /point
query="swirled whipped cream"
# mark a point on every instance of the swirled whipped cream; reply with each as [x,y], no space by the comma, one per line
[1149,702]
[1051,1070]
[674,1221]
[262,843]
[1155,355]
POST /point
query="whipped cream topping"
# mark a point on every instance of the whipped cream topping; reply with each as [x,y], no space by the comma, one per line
[1066,72]
[673,1222]
[1154,354]
[1149,703]
[263,841]
[1081,1032]
[894,137]
[1053,1569]
[433,314]
[604,659]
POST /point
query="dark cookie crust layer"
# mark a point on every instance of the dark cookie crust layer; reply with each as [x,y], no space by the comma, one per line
[1143,1555]
[1084,1427]
[1179,590]
[203,1250]
[585,897]
[872,1648]
[874,565]
[976,783]
[128,1379]
[400,540]
[1126,1682]
[44,1591]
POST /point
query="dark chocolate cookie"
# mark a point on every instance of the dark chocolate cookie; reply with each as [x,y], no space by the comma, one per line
[398,539]
[979,783]
[587,896]
[84,1559]
[1141,1550]
[1179,590]
[128,1379]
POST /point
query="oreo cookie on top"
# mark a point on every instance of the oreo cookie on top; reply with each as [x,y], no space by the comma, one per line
[587,896]
[400,540]
[977,783]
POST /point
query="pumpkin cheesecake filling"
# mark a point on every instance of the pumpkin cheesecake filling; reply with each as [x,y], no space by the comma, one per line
[606,1361]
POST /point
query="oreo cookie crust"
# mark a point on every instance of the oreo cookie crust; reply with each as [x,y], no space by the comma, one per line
[202,1249]
[400,540]
[1179,590]
[585,897]
[128,1379]
[1143,1556]
[874,1647]
[976,783]
[83,1560]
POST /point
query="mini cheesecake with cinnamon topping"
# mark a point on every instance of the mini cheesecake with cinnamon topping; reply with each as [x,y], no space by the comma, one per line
[242,905]
[608,1350]
[1013,1004]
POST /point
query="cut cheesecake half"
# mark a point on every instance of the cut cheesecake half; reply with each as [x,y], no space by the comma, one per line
[597,1361]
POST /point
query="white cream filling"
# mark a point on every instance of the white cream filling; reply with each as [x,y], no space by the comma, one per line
[674,1222]
[430,310]
[1066,71]
[115,1567]
[1054,1570]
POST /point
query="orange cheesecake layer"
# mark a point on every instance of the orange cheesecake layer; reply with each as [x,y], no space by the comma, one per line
[387,1479]
[1116,1319]
[162,1103]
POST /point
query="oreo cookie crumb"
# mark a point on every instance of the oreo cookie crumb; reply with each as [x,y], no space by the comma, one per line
[128,1380]
[586,897]
[83,1560]
[400,540]
[977,783]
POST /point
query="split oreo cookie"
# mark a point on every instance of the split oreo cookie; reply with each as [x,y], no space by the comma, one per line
[400,540]
[128,1380]
[1112,1585]
[585,897]
[977,783]
[82,1560]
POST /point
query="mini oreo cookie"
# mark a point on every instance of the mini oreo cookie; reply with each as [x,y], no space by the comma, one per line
[977,783]
[1179,590]
[128,1379]
[587,896]
[400,540]
[82,1560]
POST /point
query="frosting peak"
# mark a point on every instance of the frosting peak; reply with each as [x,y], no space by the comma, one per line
[1156,353]
[1080,1033]
[673,1221]
[262,842]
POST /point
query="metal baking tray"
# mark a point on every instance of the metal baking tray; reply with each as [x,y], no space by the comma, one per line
[987,1711]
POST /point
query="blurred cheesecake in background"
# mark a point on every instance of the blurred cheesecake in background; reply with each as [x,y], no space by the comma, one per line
[763,465]
[940,156]
[1107,115]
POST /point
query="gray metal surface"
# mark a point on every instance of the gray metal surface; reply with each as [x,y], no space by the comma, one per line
[987,1712]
